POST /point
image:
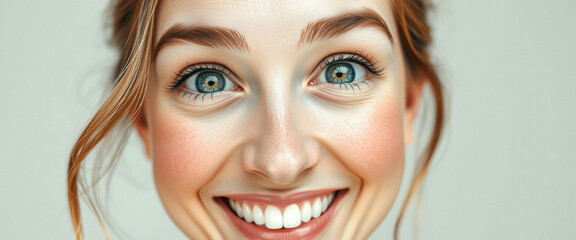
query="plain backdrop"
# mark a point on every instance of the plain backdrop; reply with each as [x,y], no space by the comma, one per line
[506,168]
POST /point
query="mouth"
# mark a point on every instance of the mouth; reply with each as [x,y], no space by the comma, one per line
[299,216]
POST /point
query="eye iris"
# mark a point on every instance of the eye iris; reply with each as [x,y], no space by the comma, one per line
[340,73]
[207,82]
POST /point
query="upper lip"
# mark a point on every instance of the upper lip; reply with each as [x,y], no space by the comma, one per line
[296,197]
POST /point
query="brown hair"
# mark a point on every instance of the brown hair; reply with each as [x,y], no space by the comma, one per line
[416,37]
[133,34]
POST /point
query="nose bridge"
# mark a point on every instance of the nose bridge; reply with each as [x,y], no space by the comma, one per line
[281,155]
[280,140]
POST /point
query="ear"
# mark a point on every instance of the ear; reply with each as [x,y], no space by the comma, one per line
[142,128]
[414,85]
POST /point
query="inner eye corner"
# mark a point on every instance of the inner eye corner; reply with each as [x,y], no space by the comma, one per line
[238,88]
[312,79]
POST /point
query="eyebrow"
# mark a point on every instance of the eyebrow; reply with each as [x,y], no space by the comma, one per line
[322,29]
[215,37]
[331,27]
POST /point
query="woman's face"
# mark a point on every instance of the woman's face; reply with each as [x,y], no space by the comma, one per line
[277,119]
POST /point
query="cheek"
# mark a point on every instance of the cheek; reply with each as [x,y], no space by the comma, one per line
[185,155]
[371,144]
[382,150]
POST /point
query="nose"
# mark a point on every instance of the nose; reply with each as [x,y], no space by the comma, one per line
[282,151]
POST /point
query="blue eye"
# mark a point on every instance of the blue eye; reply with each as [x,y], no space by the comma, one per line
[209,81]
[201,80]
[342,73]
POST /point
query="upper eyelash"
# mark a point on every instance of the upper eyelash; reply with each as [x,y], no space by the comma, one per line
[353,57]
[192,69]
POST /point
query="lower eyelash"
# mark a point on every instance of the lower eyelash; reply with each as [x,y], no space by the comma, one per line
[355,85]
[190,96]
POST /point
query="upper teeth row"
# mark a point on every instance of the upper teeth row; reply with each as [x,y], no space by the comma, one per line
[273,218]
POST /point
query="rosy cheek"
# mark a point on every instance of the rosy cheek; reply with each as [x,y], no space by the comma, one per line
[371,144]
[184,157]
[382,147]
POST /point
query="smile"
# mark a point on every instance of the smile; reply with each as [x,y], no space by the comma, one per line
[298,216]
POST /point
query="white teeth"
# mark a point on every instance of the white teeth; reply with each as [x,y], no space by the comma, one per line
[238,209]
[273,217]
[324,204]
[317,208]
[231,204]
[247,213]
[291,217]
[258,215]
[306,212]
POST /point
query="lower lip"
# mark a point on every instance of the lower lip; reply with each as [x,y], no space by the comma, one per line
[307,230]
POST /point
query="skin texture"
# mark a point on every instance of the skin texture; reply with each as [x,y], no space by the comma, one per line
[279,131]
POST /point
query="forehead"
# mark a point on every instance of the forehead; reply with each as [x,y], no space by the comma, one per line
[254,18]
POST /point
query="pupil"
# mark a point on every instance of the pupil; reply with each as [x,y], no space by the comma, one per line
[340,72]
[209,82]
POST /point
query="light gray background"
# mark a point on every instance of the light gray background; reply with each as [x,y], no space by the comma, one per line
[505,170]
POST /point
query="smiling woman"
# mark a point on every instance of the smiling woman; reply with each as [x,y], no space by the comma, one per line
[269,119]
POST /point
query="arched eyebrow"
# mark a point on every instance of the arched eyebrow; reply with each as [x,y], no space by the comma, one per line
[322,29]
[215,37]
[331,27]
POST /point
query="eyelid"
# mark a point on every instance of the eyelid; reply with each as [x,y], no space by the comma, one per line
[366,62]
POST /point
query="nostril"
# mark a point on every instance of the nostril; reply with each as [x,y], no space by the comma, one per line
[286,171]
[281,167]
[312,151]
[279,152]
[248,159]
[281,162]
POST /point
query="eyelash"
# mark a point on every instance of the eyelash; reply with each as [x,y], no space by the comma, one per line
[367,62]
[190,70]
